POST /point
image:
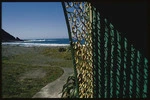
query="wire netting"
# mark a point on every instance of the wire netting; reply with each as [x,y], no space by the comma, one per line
[106,64]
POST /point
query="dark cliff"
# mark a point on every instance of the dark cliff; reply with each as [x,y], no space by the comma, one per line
[6,37]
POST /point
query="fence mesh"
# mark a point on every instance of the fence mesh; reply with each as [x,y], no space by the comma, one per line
[106,64]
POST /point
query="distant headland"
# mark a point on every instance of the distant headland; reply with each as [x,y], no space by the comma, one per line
[6,37]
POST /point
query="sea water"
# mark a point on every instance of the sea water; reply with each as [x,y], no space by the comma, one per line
[40,42]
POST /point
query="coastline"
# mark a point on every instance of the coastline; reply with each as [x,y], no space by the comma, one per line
[33,44]
[40,42]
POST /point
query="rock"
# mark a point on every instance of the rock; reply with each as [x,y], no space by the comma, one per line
[6,37]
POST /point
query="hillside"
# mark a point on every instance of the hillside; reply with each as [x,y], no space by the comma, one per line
[6,37]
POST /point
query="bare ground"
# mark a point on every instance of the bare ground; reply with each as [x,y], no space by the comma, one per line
[34,73]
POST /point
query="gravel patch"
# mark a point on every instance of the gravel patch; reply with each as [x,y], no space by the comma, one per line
[33,73]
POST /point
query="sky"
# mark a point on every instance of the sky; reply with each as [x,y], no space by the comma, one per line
[32,20]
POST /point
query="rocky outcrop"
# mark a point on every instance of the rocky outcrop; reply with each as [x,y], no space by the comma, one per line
[6,37]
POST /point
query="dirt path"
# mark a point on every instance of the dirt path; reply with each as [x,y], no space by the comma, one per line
[53,89]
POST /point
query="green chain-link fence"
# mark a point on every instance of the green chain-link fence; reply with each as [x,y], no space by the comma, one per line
[106,65]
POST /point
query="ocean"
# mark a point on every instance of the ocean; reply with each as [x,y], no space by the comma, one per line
[40,42]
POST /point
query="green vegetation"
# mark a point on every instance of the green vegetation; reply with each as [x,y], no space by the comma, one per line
[26,70]
[60,58]
[69,89]
[62,53]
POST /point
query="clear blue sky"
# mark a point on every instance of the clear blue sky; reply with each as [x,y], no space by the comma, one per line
[28,20]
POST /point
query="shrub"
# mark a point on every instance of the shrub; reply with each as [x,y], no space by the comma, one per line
[62,49]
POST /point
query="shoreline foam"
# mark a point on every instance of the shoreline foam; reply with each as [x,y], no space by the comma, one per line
[33,44]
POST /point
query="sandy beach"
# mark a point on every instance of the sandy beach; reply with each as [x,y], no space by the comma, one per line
[26,70]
